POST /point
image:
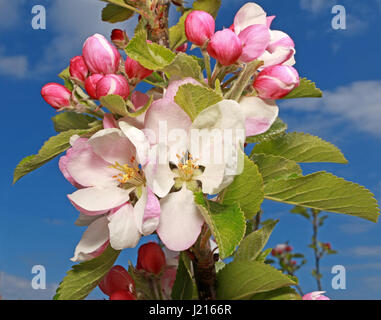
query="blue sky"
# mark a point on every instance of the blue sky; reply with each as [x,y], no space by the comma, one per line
[36,217]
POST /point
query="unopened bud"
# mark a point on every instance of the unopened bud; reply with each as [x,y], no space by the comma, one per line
[113,84]
[117,279]
[122,295]
[225,46]
[78,69]
[151,258]
[199,27]
[100,55]
[91,85]
[276,82]
[56,95]
[119,38]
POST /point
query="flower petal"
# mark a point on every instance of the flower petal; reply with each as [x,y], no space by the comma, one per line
[123,230]
[249,14]
[112,146]
[174,86]
[260,114]
[180,221]
[163,118]
[158,174]
[94,238]
[85,220]
[88,169]
[147,212]
[138,139]
[212,178]
[99,199]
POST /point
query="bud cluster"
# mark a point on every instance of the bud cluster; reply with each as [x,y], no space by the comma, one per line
[99,70]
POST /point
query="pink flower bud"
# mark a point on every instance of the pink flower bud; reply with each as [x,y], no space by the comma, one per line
[117,279]
[100,55]
[276,82]
[91,85]
[182,48]
[199,27]
[78,69]
[269,21]
[113,84]
[316,295]
[289,248]
[135,70]
[119,38]
[56,95]
[255,40]
[151,258]
[225,46]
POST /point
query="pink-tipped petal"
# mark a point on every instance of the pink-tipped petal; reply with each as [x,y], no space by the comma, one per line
[249,14]
[255,39]
[180,221]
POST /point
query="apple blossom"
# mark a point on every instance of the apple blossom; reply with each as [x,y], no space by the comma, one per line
[276,82]
[192,164]
[100,55]
[151,258]
[316,295]
[78,69]
[119,38]
[199,27]
[225,46]
[110,167]
[250,14]
[135,70]
[91,85]
[56,95]
[113,84]
[117,279]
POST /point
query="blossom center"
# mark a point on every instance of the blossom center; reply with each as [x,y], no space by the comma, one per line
[187,167]
[130,174]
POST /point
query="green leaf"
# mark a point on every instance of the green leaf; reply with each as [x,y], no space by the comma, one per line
[65,75]
[182,67]
[227,223]
[52,148]
[301,211]
[285,293]
[246,190]
[240,280]
[326,192]
[195,98]
[115,104]
[262,256]
[276,167]
[113,13]
[252,245]
[177,35]
[183,287]
[156,80]
[84,277]
[301,147]
[150,55]
[71,120]
[306,89]
[277,128]
[210,6]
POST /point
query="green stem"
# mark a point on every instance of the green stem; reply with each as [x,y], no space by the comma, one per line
[243,80]
[316,249]
[207,66]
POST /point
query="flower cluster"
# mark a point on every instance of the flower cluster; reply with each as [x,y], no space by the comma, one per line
[126,187]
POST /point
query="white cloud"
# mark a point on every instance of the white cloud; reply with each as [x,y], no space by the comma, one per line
[315,6]
[10,13]
[17,288]
[366,251]
[16,66]
[357,104]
